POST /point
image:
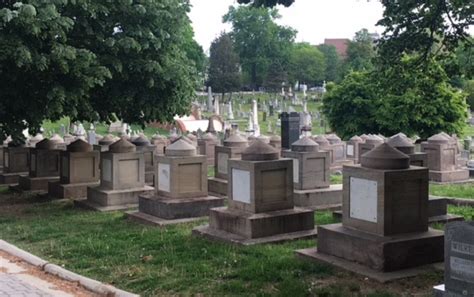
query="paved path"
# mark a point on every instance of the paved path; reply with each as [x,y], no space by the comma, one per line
[18,279]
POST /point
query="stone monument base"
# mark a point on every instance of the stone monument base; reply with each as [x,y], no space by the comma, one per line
[326,198]
[162,211]
[111,200]
[217,186]
[11,178]
[56,190]
[312,254]
[383,254]
[246,228]
[338,165]
[449,176]
[36,184]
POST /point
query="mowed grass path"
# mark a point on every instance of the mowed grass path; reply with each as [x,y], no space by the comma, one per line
[152,261]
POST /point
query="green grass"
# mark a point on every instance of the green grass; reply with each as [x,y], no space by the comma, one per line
[336,179]
[465,191]
[153,262]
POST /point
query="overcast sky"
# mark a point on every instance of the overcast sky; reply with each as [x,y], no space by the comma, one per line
[313,19]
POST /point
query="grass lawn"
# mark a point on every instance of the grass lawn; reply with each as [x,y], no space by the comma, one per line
[465,191]
[153,261]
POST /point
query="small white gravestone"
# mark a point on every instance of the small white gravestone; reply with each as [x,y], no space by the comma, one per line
[222,159]
[296,170]
[350,150]
[164,183]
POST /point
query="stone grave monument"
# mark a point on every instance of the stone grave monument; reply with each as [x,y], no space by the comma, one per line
[260,202]
[290,129]
[406,146]
[15,163]
[371,142]
[181,192]
[275,141]
[311,176]
[233,147]
[352,148]
[44,165]
[385,219]
[442,160]
[458,261]
[79,168]
[207,145]
[160,142]
[104,143]
[122,179]
[338,155]
[144,146]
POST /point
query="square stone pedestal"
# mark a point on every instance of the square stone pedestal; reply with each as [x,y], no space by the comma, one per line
[11,178]
[76,191]
[217,186]
[449,176]
[111,200]
[36,184]
[383,258]
[245,228]
[325,198]
[161,211]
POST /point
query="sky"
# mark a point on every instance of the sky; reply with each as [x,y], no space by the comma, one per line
[314,20]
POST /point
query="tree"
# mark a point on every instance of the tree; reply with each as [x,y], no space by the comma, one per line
[259,41]
[403,98]
[267,3]
[195,53]
[276,76]
[332,62]
[307,64]
[91,60]
[427,28]
[224,68]
[360,52]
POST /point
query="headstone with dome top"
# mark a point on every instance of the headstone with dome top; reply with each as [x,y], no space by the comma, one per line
[311,176]
[233,147]
[79,168]
[44,165]
[385,219]
[371,142]
[404,144]
[104,143]
[207,144]
[338,152]
[16,157]
[352,148]
[181,193]
[260,201]
[442,159]
[122,179]
[160,142]
[144,146]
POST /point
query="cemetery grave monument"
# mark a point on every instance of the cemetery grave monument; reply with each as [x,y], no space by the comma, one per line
[15,163]
[260,202]
[181,193]
[144,146]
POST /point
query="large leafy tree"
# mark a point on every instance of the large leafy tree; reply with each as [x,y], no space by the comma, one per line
[307,64]
[224,67]
[92,59]
[332,62]
[425,28]
[402,98]
[267,3]
[360,52]
[259,41]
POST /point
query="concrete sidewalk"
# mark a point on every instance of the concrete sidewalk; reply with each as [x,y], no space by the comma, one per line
[19,279]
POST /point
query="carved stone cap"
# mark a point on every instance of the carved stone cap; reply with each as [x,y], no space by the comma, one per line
[275,138]
[321,140]
[260,151]
[385,157]
[333,138]
[364,137]
[46,144]
[374,139]
[122,146]
[141,140]
[180,148]
[209,137]
[439,138]
[400,141]
[264,138]
[356,138]
[107,140]
[236,140]
[57,139]
[305,144]
[79,146]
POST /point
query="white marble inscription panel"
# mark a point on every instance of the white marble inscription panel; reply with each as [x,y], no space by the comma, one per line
[350,150]
[363,199]
[241,185]
[296,170]
[222,163]
[164,180]
[107,170]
